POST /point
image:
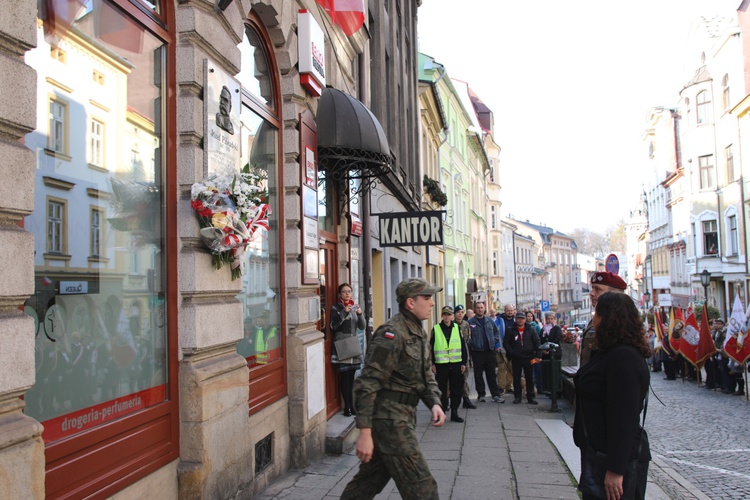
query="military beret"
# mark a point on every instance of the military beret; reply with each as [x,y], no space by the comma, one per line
[609,279]
[459,307]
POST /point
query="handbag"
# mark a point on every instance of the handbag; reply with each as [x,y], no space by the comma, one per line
[348,347]
[594,466]
[593,470]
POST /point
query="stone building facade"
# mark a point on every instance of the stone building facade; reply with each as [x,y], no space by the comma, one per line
[132,366]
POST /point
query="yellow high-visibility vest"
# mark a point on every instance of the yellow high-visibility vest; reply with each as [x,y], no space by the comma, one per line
[447,352]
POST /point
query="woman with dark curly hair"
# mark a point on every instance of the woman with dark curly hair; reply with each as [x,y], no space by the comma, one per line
[610,393]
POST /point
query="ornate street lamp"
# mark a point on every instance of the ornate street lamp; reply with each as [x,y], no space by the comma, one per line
[647,298]
[705,280]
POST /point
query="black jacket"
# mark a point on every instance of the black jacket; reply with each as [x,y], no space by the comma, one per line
[610,390]
[515,349]
[555,335]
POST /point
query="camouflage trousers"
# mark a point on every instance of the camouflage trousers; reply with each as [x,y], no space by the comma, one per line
[396,456]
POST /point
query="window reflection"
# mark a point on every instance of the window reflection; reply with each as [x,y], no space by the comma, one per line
[255,75]
[261,343]
[99,303]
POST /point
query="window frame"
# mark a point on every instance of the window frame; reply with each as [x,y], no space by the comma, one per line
[710,237]
[52,139]
[706,166]
[268,382]
[703,109]
[729,163]
[62,249]
[100,139]
[107,459]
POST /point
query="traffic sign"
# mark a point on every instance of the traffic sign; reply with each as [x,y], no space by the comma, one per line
[544,305]
[612,264]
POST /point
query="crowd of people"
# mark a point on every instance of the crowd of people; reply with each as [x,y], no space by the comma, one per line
[719,373]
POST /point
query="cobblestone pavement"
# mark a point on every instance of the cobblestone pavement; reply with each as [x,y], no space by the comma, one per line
[703,436]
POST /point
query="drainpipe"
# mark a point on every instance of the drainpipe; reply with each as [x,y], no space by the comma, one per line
[366,240]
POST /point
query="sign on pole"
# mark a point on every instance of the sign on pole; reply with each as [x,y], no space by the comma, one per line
[612,264]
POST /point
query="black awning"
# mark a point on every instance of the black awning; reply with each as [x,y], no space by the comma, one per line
[351,142]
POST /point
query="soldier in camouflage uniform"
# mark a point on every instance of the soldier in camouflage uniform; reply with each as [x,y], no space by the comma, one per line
[397,375]
[600,282]
[463,327]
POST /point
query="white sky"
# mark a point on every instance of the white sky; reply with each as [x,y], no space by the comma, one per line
[569,84]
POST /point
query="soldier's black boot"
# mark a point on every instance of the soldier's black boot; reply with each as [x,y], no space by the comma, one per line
[468,404]
[455,417]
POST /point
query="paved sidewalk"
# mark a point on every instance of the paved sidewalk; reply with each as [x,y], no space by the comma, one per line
[501,451]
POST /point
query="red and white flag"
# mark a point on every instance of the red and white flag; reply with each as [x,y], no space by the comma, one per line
[735,345]
[349,15]
[676,326]
[697,344]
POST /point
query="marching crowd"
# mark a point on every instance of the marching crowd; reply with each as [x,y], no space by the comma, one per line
[719,373]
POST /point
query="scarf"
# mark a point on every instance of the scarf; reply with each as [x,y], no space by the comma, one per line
[346,303]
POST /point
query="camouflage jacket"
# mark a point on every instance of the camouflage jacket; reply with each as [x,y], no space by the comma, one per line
[397,359]
[465,330]
[589,345]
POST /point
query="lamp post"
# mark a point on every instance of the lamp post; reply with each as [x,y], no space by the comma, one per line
[647,298]
[705,280]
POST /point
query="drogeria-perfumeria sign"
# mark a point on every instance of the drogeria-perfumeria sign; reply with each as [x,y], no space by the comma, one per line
[411,229]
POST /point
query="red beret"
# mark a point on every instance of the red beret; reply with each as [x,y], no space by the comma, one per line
[608,279]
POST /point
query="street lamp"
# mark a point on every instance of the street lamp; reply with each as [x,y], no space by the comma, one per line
[647,298]
[705,280]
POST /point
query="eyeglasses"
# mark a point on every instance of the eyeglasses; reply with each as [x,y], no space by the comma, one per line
[345,291]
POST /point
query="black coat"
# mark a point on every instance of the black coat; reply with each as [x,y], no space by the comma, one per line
[555,335]
[514,349]
[610,390]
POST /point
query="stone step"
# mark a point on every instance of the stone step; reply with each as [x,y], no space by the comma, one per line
[341,434]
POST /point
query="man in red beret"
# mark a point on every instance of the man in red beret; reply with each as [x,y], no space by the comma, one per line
[600,282]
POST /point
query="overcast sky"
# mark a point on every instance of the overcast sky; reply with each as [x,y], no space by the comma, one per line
[569,84]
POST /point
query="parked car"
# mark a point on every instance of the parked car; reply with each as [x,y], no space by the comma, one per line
[579,324]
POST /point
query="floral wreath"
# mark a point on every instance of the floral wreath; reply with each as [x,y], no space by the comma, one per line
[231,208]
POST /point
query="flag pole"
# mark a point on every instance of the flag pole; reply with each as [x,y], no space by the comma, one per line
[746,392]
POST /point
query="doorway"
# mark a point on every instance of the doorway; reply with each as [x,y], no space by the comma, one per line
[328,297]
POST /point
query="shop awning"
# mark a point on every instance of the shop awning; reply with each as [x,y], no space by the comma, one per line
[351,142]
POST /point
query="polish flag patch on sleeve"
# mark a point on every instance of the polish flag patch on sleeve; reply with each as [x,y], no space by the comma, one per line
[389,335]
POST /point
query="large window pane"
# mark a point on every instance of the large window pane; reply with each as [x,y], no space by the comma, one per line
[99,298]
[260,295]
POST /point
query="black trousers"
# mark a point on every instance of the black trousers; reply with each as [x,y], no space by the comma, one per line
[526,366]
[450,374]
[346,384]
[485,363]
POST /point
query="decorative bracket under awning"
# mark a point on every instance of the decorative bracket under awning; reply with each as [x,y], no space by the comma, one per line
[353,149]
[356,169]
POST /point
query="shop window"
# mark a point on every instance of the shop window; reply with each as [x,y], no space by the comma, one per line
[105,384]
[262,294]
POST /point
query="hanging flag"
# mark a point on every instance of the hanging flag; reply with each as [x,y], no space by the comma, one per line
[349,15]
[116,29]
[676,325]
[60,15]
[734,345]
[696,344]
[659,340]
